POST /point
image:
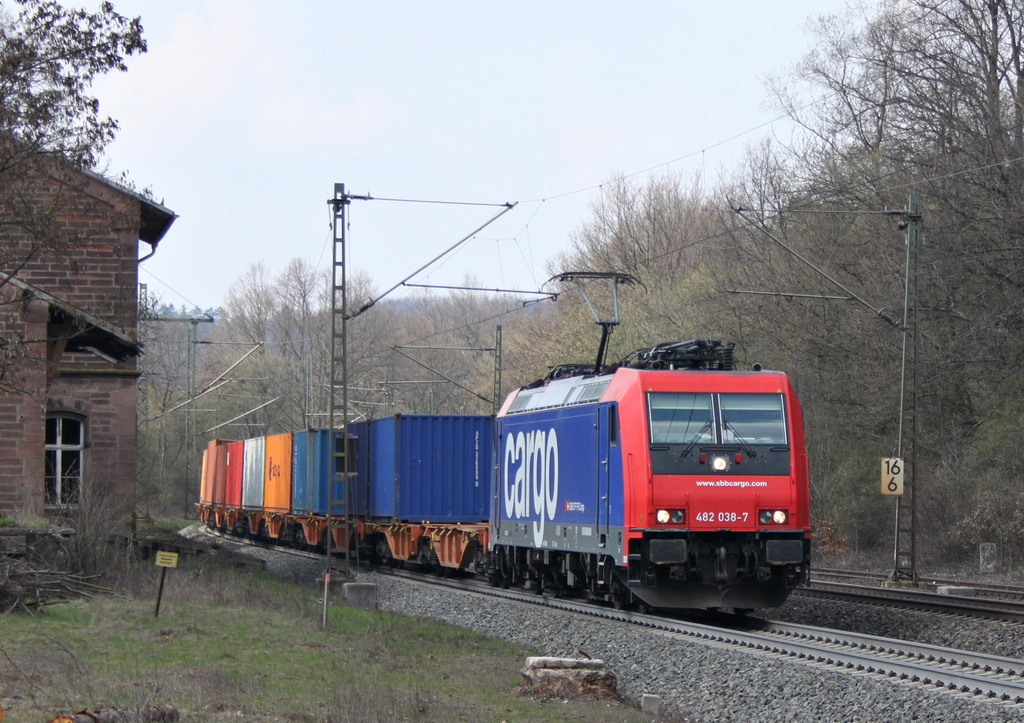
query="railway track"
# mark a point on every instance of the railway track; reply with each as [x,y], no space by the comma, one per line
[986,589]
[1002,610]
[1005,604]
[994,678]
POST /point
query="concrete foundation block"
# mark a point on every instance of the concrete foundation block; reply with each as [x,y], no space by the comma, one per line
[361,594]
[958,590]
[650,704]
[570,678]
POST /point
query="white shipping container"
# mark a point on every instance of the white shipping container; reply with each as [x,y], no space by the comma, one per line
[253,473]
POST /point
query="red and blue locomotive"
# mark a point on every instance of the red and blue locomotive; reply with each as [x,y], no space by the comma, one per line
[669,481]
[672,481]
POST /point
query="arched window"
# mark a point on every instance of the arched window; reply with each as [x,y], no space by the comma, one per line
[65,440]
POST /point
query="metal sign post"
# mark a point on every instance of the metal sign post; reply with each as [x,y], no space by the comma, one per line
[164,560]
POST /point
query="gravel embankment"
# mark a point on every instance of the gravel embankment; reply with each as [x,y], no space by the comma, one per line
[705,683]
[702,682]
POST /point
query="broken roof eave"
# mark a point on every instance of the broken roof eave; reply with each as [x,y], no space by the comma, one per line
[154,221]
[118,343]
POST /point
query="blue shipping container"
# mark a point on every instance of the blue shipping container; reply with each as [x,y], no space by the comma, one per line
[359,492]
[427,468]
[311,462]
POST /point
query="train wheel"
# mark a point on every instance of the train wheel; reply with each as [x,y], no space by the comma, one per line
[301,543]
[436,566]
[556,585]
[504,573]
[479,566]
[620,595]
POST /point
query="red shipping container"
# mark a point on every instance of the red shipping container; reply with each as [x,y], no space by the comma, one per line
[235,463]
[211,489]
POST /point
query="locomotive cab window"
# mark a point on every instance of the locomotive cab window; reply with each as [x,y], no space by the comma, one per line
[680,417]
[753,418]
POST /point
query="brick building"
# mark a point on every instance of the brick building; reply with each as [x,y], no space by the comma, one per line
[68,343]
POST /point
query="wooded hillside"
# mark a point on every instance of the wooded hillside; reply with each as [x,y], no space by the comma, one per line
[915,97]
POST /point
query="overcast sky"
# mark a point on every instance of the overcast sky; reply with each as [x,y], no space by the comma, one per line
[245,113]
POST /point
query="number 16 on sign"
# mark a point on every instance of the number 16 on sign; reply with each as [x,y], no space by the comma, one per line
[892,476]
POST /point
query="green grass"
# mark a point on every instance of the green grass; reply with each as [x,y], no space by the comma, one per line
[233,643]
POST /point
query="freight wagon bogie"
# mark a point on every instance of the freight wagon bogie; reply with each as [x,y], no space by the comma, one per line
[441,548]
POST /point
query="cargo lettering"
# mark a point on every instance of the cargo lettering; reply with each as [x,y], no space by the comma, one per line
[530,479]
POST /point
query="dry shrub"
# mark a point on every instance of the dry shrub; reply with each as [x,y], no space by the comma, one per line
[376,703]
[48,670]
[100,545]
[830,541]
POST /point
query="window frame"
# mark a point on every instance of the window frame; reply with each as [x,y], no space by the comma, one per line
[60,455]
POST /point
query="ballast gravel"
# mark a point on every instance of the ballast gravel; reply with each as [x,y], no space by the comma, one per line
[698,682]
[704,683]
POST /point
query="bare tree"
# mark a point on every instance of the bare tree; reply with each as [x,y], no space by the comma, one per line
[49,123]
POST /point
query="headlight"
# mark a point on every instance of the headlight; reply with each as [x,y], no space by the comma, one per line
[719,463]
[773,517]
[678,516]
[662,516]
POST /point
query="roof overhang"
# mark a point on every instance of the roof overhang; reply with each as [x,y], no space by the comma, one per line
[76,330]
[155,219]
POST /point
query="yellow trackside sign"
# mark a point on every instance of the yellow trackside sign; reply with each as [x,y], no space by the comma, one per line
[166,559]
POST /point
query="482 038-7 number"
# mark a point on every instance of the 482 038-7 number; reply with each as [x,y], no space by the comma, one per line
[721,517]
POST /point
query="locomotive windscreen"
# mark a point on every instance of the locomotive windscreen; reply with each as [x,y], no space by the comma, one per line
[680,417]
[722,418]
[753,418]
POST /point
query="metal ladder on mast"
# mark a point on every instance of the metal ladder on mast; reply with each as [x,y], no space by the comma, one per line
[339,559]
[905,547]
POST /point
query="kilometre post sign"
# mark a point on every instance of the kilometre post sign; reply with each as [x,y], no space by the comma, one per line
[892,476]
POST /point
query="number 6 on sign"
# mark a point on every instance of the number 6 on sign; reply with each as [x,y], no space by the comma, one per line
[892,476]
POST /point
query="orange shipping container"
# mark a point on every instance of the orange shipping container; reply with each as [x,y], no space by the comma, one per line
[205,483]
[277,478]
